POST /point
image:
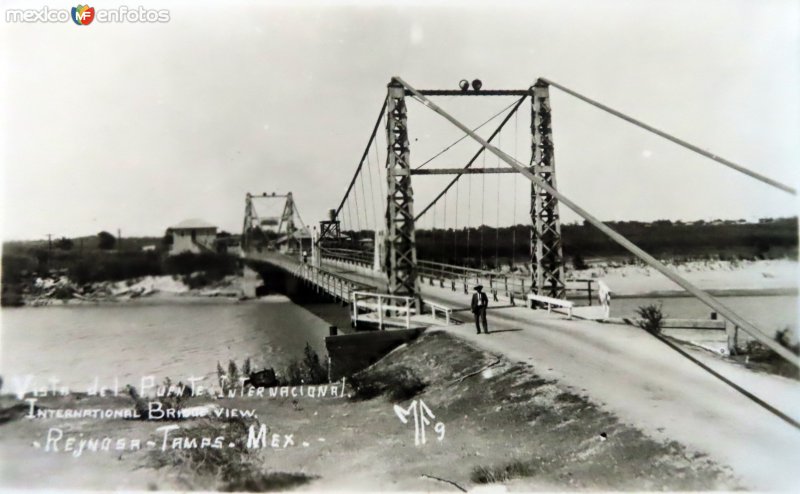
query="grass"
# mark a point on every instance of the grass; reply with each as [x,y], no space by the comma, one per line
[233,469]
[172,399]
[502,473]
[398,384]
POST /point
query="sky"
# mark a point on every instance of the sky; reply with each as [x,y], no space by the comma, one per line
[138,126]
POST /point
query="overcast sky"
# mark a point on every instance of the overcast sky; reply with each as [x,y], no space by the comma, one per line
[140,126]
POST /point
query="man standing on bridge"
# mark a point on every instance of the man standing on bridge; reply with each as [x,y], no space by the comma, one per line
[479,303]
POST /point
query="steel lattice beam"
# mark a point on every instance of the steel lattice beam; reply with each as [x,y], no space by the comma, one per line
[401,251]
[248,221]
[547,258]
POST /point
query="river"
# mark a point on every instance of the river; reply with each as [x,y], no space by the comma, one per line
[768,312]
[164,338]
[185,337]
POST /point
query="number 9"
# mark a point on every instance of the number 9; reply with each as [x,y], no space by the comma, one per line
[439,428]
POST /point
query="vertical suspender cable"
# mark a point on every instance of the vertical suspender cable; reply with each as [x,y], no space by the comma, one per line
[514,215]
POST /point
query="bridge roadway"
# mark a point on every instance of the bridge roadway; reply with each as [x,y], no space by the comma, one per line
[644,383]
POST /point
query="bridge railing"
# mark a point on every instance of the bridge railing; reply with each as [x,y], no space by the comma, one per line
[337,286]
[381,308]
[509,285]
[349,256]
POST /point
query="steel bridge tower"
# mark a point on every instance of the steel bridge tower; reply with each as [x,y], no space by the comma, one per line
[547,257]
[401,251]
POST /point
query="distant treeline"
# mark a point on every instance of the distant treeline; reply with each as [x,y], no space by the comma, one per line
[487,246]
[91,262]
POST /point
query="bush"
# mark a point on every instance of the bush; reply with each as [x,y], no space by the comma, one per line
[64,244]
[213,266]
[503,473]
[172,399]
[63,292]
[114,266]
[398,384]
[229,380]
[788,339]
[652,318]
[106,241]
[309,370]
[578,263]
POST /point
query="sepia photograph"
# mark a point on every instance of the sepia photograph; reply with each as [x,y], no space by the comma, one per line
[400,246]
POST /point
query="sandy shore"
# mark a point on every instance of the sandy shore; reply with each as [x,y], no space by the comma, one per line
[719,277]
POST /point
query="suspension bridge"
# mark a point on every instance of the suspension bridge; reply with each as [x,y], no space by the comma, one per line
[398,266]
[370,246]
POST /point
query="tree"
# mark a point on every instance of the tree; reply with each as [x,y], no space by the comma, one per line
[106,241]
[578,263]
[64,243]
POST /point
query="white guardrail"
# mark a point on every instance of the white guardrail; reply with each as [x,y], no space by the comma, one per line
[394,310]
[550,302]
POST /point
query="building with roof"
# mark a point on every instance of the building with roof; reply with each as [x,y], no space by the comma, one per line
[193,235]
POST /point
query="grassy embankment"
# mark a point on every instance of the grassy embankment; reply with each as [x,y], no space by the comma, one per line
[502,423]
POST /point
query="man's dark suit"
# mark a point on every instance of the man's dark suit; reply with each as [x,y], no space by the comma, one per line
[479,309]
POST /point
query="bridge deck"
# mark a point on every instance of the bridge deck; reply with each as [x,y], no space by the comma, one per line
[640,380]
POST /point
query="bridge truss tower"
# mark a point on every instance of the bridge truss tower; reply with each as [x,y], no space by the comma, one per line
[546,253]
[287,221]
[400,243]
[547,257]
[249,215]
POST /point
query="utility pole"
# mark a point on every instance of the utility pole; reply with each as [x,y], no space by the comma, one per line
[49,250]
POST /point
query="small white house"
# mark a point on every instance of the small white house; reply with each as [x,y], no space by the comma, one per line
[193,236]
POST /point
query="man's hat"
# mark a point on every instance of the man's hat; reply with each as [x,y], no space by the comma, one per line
[478,287]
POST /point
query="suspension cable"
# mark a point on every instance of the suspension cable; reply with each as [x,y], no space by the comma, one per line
[455,228]
[514,215]
[447,148]
[372,193]
[469,212]
[680,142]
[357,211]
[703,296]
[364,199]
[497,213]
[483,204]
[360,163]
[474,157]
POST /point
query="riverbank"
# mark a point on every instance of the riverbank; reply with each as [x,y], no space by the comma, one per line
[63,291]
[501,422]
[721,278]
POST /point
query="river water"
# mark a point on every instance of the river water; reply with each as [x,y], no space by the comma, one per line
[164,338]
[769,312]
[187,337]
